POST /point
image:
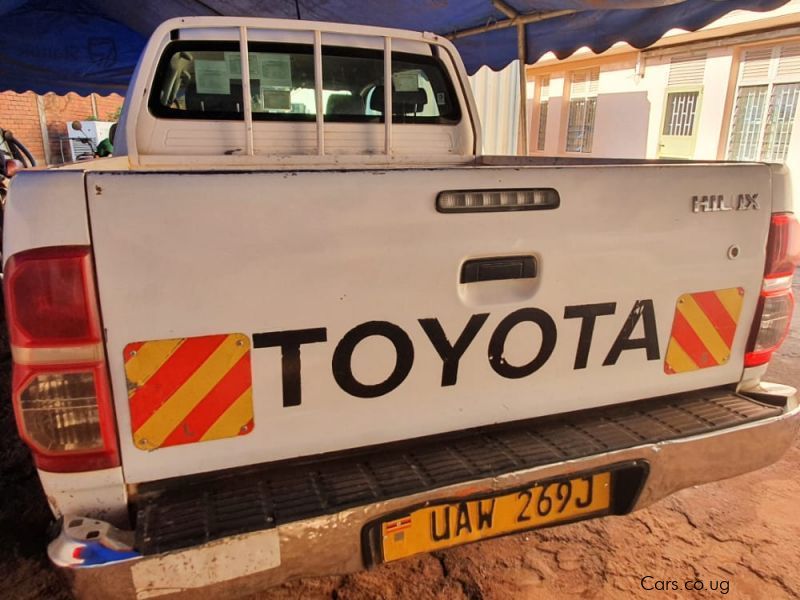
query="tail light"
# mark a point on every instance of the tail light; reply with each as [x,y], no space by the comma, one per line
[776,304]
[60,387]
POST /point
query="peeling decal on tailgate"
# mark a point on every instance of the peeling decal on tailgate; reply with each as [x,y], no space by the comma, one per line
[187,390]
[703,330]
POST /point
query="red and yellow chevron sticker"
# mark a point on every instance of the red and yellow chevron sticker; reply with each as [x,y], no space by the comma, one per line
[187,390]
[703,330]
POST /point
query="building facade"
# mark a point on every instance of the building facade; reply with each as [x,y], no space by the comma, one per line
[728,91]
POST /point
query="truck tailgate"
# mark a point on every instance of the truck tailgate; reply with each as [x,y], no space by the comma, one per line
[259,316]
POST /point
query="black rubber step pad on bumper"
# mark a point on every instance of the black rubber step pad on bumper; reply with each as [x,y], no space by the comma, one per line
[184,512]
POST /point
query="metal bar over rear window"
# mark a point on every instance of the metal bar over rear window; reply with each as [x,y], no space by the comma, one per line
[247,99]
[388,111]
[318,92]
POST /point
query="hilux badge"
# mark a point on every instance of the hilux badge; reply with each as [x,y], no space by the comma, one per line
[720,202]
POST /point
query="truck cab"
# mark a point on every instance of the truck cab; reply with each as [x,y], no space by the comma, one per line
[189,100]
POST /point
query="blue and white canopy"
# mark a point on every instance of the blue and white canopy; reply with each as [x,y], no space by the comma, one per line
[93,45]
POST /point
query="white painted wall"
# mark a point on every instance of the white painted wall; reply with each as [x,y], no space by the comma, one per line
[654,79]
[623,110]
[553,140]
[712,112]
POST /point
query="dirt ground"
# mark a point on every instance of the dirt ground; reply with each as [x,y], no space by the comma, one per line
[739,538]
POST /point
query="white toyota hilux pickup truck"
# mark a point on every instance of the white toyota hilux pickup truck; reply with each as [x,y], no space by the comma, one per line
[281,335]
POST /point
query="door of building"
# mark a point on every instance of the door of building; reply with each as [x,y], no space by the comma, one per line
[680,125]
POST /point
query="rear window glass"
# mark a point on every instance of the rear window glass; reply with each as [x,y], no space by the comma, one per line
[203,80]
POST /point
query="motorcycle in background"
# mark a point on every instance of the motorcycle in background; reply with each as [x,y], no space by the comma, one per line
[14,156]
[86,154]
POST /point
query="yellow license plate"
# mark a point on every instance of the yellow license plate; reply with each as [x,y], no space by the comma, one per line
[452,523]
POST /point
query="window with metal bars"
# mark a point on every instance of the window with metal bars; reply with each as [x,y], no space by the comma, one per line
[681,111]
[765,108]
[748,118]
[582,110]
[779,121]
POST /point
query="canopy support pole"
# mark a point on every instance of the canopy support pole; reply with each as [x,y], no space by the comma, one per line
[522,140]
[511,22]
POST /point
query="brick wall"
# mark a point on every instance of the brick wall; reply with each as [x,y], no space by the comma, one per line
[60,110]
[19,113]
[108,107]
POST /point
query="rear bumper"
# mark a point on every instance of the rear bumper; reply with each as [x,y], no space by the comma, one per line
[727,435]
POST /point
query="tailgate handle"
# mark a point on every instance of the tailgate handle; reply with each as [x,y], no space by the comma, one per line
[498,267]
